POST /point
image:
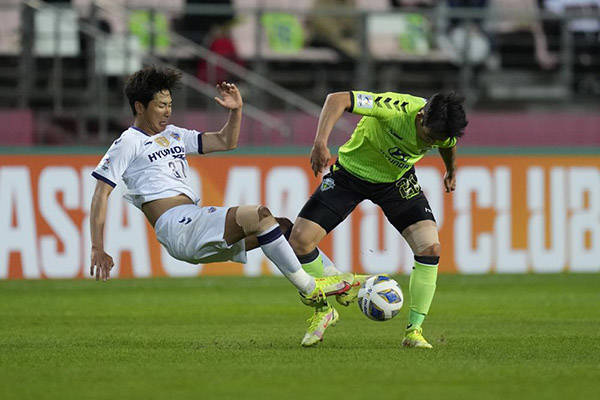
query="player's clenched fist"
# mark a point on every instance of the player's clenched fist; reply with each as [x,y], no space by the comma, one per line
[319,158]
[450,181]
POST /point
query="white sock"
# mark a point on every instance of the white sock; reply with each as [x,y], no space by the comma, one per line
[328,268]
[278,250]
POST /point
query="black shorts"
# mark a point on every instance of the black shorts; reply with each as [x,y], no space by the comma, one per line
[403,202]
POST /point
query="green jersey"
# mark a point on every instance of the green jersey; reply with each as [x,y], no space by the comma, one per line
[384,144]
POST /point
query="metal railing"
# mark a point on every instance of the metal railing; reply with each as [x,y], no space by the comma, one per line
[369,71]
[99,87]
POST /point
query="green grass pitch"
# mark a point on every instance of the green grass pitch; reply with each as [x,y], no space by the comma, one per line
[494,337]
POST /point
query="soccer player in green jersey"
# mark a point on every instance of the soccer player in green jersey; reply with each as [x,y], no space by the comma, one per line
[377,163]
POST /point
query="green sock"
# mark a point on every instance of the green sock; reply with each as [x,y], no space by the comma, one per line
[312,263]
[421,290]
[329,268]
[415,319]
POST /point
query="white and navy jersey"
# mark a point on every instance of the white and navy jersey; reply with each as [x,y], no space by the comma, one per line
[152,167]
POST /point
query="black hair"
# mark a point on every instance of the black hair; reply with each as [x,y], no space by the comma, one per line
[145,83]
[445,116]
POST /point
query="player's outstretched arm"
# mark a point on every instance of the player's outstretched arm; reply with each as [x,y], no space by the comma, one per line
[101,263]
[449,157]
[332,110]
[227,137]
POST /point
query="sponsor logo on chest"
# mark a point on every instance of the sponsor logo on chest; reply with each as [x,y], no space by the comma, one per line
[175,152]
[397,157]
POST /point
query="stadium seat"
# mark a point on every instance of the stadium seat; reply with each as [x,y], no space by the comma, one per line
[10,25]
[52,24]
[244,33]
[118,55]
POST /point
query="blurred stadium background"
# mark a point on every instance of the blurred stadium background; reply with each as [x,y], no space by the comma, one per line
[525,216]
[528,197]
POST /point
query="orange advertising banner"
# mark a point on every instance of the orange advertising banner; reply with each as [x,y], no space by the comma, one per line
[509,214]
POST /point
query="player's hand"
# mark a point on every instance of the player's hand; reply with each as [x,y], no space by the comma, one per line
[450,181]
[101,264]
[319,158]
[230,96]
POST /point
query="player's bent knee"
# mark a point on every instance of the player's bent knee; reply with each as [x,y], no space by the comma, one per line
[265,219]
[247,217]
[301,244]
[423,238]
[254,219]
[286,226]
[263,212]
[433,249]
[305,236]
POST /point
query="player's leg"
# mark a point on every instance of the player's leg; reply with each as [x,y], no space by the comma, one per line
[422,237]
[251,242]
[257,222]
[246,221]
[304,238]
[328,206]
[407,209]
[286,226]
[329,268]
[214,234]
[307,233]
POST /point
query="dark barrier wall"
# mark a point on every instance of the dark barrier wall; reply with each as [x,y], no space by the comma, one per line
[518,129]
[485,129]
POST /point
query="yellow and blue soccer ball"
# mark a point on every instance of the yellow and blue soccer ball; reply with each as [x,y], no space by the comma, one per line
[380,298]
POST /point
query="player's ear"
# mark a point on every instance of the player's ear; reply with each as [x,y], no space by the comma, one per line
[139,108]
[420,115]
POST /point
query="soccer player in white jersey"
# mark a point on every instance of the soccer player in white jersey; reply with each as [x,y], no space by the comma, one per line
[150,158]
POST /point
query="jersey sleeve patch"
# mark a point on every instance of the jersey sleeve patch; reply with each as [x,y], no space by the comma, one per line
[364,100]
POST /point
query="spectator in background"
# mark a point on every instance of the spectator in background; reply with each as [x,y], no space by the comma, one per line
[586,39]
[222,44]
[517,32]
[212,31]
[335,31]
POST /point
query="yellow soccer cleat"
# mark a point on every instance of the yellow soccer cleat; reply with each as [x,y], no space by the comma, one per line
[350,295]
[328,286]
[414,338]
[323,318]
